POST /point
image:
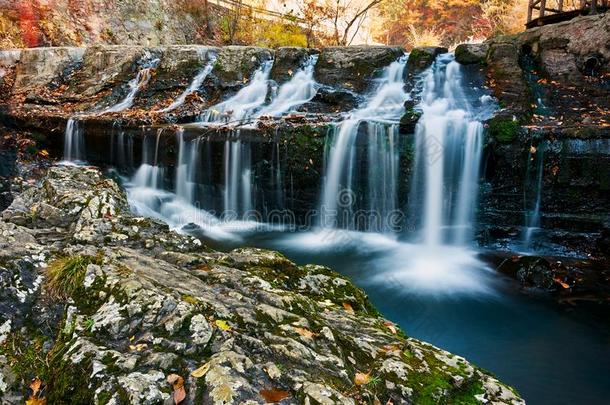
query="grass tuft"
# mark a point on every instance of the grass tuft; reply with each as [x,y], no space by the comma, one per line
[67,274]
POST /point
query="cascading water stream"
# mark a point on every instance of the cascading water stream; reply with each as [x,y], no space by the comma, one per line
[186,170]
[300,89]
[448,153]
[244,104]
[135,85]
[532,217]
[381,113]
[238,178]
[148,196]
[193,87]
[74,142]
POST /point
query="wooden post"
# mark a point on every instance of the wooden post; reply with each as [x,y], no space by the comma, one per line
[560,5]
[593,6]
[530,10]
[542,8]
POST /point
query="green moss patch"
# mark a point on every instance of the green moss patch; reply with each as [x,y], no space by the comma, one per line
[504,130]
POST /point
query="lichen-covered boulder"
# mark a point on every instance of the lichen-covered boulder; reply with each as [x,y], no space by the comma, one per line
[236,64]
[141,317]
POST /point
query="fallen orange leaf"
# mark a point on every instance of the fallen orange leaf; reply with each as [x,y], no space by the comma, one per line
[305,332]
[177,384]
[391,327]
[274,395]
[562,284]
[362,378]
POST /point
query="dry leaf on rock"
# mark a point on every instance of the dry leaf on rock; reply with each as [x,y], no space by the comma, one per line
[274,395]
[391,327]
[177,384]
[305,332]
[201,371]
[362,378]
[222,324]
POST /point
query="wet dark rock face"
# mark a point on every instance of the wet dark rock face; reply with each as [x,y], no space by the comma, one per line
[287,59]
[468,54]
[353,68]
[8,169]
[139,303]
[421,58]
[553,120]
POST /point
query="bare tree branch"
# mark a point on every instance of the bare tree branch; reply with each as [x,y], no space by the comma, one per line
[357,16]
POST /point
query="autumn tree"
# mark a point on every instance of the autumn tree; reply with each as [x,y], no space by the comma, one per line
[345,17]
[313,15]
[411,22]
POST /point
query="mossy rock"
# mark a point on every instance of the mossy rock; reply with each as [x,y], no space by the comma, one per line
[503,129]
[409,121]
[423,57]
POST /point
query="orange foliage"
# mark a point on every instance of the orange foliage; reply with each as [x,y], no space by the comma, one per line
[453,21]
[28,22]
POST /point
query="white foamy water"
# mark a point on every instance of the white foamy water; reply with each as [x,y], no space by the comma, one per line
[410,268]
[193,87]
[74,142]
[532,213]
[381,113]
[300,89]
[148,194]
[448,153]
[242,105]
[135,85]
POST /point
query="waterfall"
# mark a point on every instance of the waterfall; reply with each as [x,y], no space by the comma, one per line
[532,217]
[74,141]
[447,157]
[238,182]
[381,114]
[146,193]
[383,161]
[186,170]
[240,107]
[193,87]
[277,181]
[135,85]
[121,149]
[300,89]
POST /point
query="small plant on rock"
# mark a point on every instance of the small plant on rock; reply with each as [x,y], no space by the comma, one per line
[67,274]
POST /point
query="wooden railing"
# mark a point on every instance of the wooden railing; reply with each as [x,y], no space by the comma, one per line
[550,7]
[256,11]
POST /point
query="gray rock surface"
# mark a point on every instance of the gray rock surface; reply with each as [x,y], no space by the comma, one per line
[153,303]
[37,67]
[353,67]
[287,61]
[236,64]
[422,57]
[468,54]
